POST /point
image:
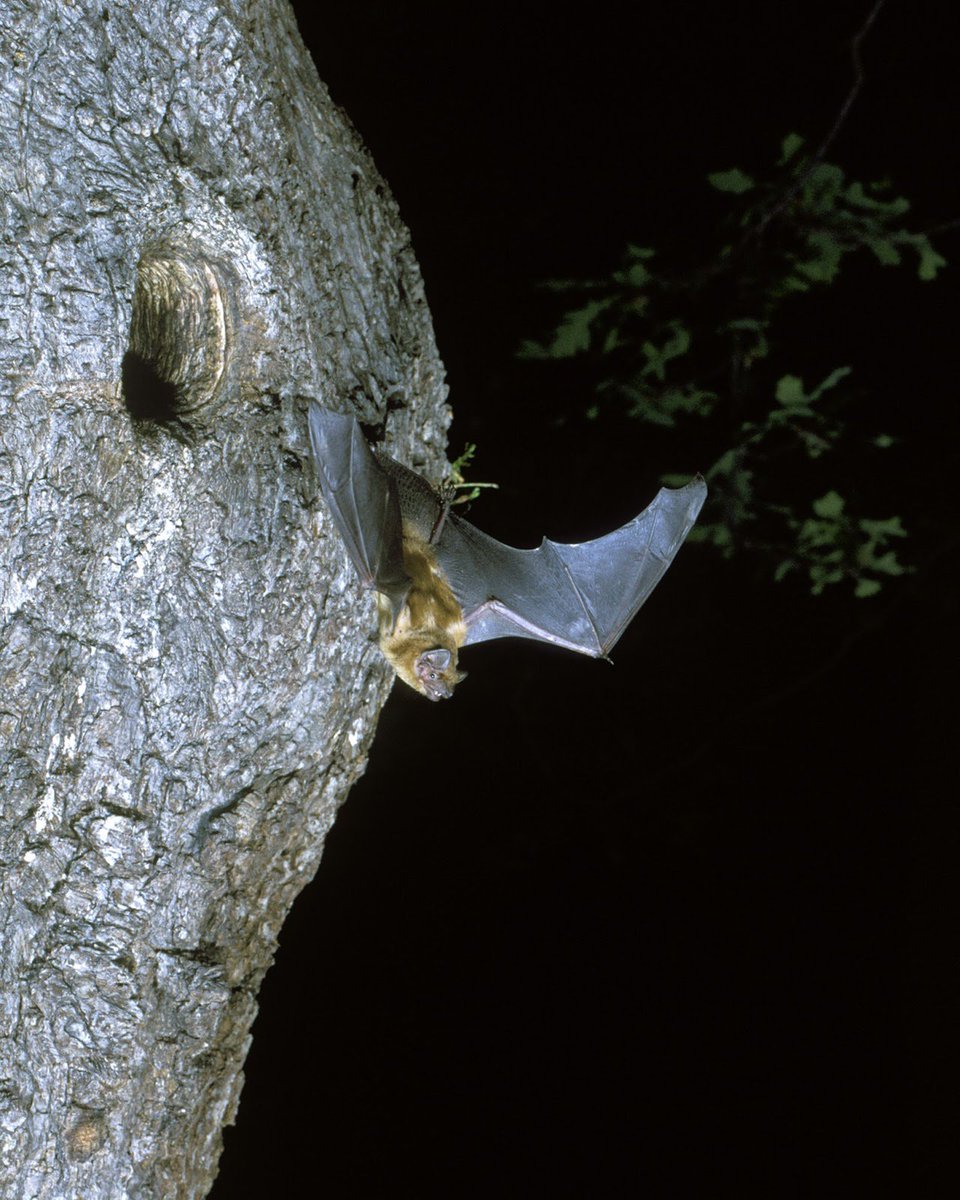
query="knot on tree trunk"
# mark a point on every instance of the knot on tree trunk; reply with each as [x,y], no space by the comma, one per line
[181,333]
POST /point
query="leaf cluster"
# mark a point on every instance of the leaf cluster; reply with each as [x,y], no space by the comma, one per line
[465,490]
[671,346]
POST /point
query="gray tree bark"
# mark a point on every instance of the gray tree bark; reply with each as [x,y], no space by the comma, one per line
[193,242]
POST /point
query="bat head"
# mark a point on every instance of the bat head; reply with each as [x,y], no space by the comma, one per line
[423,655]
[436,673]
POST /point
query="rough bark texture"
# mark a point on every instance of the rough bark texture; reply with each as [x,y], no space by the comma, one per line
[193,241]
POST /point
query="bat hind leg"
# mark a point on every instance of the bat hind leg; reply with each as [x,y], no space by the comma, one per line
[445,494]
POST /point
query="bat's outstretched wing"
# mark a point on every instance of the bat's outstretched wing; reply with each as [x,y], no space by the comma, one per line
[579,596]
[363,501]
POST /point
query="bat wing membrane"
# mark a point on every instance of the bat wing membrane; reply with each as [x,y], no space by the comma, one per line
[580,596]
[363,502]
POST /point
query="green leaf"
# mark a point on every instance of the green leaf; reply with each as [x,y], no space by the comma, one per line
[717,534]
[724,465]
[636,275]
[930,261]
[884,441]
[734,180]
[815,534]
[572,335]
[879,531]
[821,576]
[866,587]
[784,569]
[891,208]
[790,390]
[611,341]
[887,253]
[829,507]
[823,186]
[788,147]
[644,404]
[824,267]
[657,357]
[742,484]
[887,564]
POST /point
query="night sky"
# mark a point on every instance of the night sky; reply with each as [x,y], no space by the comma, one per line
[682,925]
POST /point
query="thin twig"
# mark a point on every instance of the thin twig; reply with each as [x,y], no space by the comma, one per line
[844,112]
[943,227]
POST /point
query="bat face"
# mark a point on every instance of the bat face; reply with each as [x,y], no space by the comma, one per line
[441,583]
[437,674]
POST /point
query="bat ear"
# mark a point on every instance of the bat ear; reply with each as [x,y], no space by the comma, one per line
[439,659]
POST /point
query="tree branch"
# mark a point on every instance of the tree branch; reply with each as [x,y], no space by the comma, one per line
[843,113]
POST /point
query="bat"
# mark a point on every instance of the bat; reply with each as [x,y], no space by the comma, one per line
[442,584]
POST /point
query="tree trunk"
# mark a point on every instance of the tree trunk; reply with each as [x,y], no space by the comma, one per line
[193,242]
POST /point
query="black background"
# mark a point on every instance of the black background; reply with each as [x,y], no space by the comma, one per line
[681,926]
